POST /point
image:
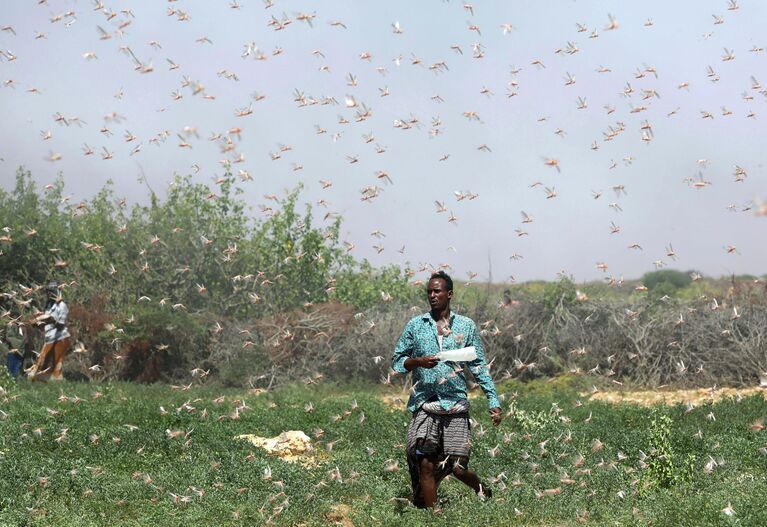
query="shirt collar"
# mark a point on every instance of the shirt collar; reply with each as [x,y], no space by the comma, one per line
[427,316]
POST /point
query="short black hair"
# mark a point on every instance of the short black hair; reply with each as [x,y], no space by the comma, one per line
[442,275]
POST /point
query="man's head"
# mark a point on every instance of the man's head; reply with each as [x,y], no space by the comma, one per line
[52,289]
[439,291]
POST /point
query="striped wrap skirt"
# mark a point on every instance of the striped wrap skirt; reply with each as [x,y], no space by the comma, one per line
[443,439]
[445,434]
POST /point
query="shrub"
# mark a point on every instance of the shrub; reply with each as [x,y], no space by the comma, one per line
[365,286]
[665,468]
[558,295]
[674,279]
[530,420]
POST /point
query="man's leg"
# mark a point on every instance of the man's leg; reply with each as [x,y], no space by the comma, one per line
[60,350]
[39,371]
[415,476]
[14,364]
[469,477]
[427,482]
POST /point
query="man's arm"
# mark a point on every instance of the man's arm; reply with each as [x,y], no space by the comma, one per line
[480,371]
[403,361]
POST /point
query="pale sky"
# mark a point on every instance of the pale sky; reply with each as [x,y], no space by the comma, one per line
[680,181]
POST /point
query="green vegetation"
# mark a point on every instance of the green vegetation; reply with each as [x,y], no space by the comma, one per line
[192,282]
[669,277]
[199,248]
[366,287]
[559,295]
[77,454]
[191,290]
[665,283]
[176,274]
[664,468]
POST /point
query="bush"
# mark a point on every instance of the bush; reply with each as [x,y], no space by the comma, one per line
[665,468]
[365,286]
[559,295]
[673,279]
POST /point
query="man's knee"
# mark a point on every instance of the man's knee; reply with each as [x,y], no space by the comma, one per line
[427,466]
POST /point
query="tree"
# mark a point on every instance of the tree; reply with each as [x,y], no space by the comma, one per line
[674,279]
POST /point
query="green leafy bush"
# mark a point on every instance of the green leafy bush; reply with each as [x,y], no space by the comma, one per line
[672,279]
[365,286]
[665,467]
[530,420]
[559,294]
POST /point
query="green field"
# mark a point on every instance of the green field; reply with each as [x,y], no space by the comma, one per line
[103,454]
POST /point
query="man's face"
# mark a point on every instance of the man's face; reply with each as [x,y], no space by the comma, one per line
[437,294]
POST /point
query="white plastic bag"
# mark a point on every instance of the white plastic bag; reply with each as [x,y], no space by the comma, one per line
[460,355]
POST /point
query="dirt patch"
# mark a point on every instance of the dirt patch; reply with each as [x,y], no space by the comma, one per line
[671,397]
[292,445]
[339,515]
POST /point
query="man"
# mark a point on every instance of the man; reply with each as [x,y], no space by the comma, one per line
[12,343]
[438,442]
[49,363]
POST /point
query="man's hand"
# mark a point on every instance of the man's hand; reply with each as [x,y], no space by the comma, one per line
[427,362]
[495,413]
[421,362]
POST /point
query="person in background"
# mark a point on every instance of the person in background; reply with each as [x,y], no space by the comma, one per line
[438,441]
[51,360]
[506,302]
[12,340]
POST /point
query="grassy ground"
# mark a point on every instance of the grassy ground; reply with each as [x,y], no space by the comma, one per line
[103,471]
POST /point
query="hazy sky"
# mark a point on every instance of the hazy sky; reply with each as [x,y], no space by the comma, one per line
[459,81]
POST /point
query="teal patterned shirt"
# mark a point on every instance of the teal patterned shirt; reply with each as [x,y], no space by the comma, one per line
[445,382]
